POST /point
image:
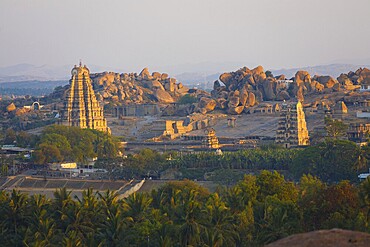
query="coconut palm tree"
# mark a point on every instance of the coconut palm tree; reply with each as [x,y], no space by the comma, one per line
[15,211]
[220,230]
[41,227]
[111,230]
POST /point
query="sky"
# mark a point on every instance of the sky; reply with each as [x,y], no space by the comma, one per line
[172,34]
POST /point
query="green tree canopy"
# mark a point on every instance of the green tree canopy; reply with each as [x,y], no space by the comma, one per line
[187,99]
[332,160]
[335,128]
[74,144]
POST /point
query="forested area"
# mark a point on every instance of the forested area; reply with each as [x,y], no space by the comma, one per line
[60,143]
[257,210]
[331,161]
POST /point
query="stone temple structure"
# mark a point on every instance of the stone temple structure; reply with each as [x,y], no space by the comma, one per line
[81,108]
[292,129]
[210,140]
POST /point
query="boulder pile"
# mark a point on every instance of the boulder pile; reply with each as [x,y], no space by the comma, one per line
[233,93]
[144,87]
[353,79]
[237,91]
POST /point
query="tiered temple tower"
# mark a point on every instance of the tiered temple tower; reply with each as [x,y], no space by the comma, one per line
[210,140]
[81,108]
[292,129]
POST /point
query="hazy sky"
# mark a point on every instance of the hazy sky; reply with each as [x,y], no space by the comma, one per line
[132,34]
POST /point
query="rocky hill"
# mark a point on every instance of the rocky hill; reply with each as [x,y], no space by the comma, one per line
[237,91]
[234,93]
[138,88]
[128,88]
[325,238]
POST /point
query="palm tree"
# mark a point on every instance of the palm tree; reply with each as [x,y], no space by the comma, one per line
[280,219]
[91,209]
[111,230]
[190,217]
[72,240]
[138,217]
[108,199]
[136,205]
[15,217]
[44,234]
[41,228]
[220,230]
[60,205]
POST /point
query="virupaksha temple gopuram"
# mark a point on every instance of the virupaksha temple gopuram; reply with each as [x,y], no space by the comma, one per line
[81,107]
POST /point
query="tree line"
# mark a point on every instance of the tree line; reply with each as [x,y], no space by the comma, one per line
[256,211]
[331,161]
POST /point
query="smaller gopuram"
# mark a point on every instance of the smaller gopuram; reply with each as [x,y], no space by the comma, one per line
[292,129]
[210,140]
[81,108]
[357,132]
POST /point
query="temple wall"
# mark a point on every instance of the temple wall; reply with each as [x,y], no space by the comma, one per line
[136,110]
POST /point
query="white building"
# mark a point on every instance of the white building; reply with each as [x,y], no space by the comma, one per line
[365,87]
[363,176]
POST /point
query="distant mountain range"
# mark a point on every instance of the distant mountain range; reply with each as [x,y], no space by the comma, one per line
[333,70]
[202,75]
[29,72]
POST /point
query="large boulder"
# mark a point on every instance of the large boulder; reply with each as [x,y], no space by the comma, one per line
[233,101]
[145,74]
[106,79]
[364,75]
[170,84]
[223,94]
[269,86]
[258,74]
[206,104]
[344,80]
[302,77]
[163,97]
[243,96]
[283,95]
[181,89]
[216,85]
[221,103]
[336,87]
[327,81]
[251,99]
[317,86]
[226,78]
[115,98]
[156,75]
[154,85]
[121,95]
[250,80]
[236,110]
[302,80]
[164,76]
[112,89]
